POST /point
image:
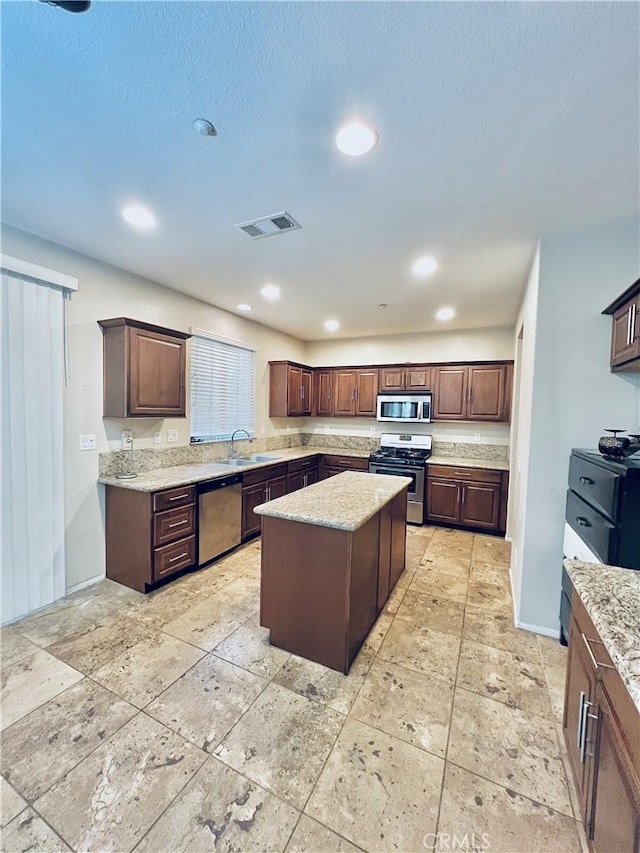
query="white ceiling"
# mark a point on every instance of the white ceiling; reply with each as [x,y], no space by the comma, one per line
[499,123]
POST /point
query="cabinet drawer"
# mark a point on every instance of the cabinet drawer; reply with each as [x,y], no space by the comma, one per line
[303,464]
[260,475]
[451,472]
[595,485]
[172,498]
[173,524]
[172,558]
[595,531]
[344,462]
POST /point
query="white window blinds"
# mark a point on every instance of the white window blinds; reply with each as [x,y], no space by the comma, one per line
[223,388]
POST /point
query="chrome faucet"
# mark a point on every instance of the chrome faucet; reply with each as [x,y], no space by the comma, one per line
[233,453]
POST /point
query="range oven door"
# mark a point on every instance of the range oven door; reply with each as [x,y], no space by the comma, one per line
[415,492]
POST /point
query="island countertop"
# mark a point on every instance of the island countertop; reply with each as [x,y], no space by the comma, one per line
[611,597]
[343,502]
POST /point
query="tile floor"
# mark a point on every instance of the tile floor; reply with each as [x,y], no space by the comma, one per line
[168,723]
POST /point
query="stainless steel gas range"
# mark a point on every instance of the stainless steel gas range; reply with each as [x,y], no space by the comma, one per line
[405,455]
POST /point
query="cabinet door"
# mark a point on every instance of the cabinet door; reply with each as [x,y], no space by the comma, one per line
[366,393]
[486,392]
[277,487]
[579,694]
[615,817]
[625,336]
[296,481]
[305,392]
[480,504]
[323,393]
[442,500]
[252,496]
[294,390]
[312,476]
[156,374]
[344,396]
[450,393]
[417,378]
[391,379]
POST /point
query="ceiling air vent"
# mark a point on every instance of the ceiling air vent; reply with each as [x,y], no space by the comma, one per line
[267,226]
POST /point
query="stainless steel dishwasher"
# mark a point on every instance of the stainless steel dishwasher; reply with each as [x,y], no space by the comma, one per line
[219,517]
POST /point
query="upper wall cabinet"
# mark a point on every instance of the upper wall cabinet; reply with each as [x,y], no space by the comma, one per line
[144,370]
[416,377]
[322,393]
[475,392]
[625,332]
[355,392]
[289,389]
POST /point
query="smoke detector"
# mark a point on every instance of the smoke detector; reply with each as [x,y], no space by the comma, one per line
[269,226]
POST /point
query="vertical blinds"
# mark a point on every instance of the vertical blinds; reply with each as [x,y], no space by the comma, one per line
[223,389]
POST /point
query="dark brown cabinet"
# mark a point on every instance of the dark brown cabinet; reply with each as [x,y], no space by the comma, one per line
[302,473]
[355,392]
[467,497]
[259,486]
[143,370]
[476,392]
[625,330]
[417,377]
[332,464]
[149,535]
[601,725]
[289,389]
[323,393]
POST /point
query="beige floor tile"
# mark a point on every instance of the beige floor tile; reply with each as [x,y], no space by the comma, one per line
[207,701]
[11,803]
[282,743]
[554,664]
[395,600]
[30,683]
[422,649]
[99,644]
[498,819]
[221,810]
[376,635]
[491,549]
[249,647]
[41,747]
[490,596]
[504,676]
[211,621]
[497,629]
[573,793]
[442,614]
[324,685]
[29,832]
[440,585]
[112,798]
[146,669]
[490,574]
[433,564]
[312,837]
[377,791]
[162,606]
[410,706]
[510,747]
[14,647]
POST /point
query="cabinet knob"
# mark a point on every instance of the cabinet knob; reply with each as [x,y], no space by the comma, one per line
[583,522]
[586,481]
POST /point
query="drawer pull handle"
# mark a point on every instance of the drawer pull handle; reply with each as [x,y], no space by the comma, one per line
[179,497]
[179,557]
[179,523]
[596,664]
[586,481]
[583,522]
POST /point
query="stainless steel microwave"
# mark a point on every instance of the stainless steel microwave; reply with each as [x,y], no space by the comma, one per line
[407,408]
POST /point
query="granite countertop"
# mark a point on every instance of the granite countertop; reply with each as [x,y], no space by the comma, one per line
[611,597]
[468,462]
[344,502]
[184,475]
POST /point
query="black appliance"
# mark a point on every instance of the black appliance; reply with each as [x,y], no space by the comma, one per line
[405,456]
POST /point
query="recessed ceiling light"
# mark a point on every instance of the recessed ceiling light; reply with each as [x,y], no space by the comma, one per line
[204,127]
[356,139]
[424,266]
[445,314]
[331,325]
[139,216]
[244,307]
[383,305]
[270,292]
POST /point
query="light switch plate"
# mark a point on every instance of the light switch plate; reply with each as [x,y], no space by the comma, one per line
[157,438]
[87,442]
[126,439]
[172,435]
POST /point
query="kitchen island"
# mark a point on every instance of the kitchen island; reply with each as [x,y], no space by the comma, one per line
[331,555]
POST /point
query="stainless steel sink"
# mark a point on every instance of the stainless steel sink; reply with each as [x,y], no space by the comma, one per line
[241,461]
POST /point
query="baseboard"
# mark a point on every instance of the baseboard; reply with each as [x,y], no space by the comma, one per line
[84,584]
[539,629]
[508,539]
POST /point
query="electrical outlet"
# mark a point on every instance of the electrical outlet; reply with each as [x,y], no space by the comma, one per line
[476,436]
[327,428]
[263,430]
[157,438]
[126,439]
[172,435]
[87,442]
[373,430]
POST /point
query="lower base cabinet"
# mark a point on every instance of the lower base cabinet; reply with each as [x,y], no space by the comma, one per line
[467,497]
[601,726]
[259,486]
[333,464]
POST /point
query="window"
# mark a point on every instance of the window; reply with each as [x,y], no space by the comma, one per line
[223,388]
